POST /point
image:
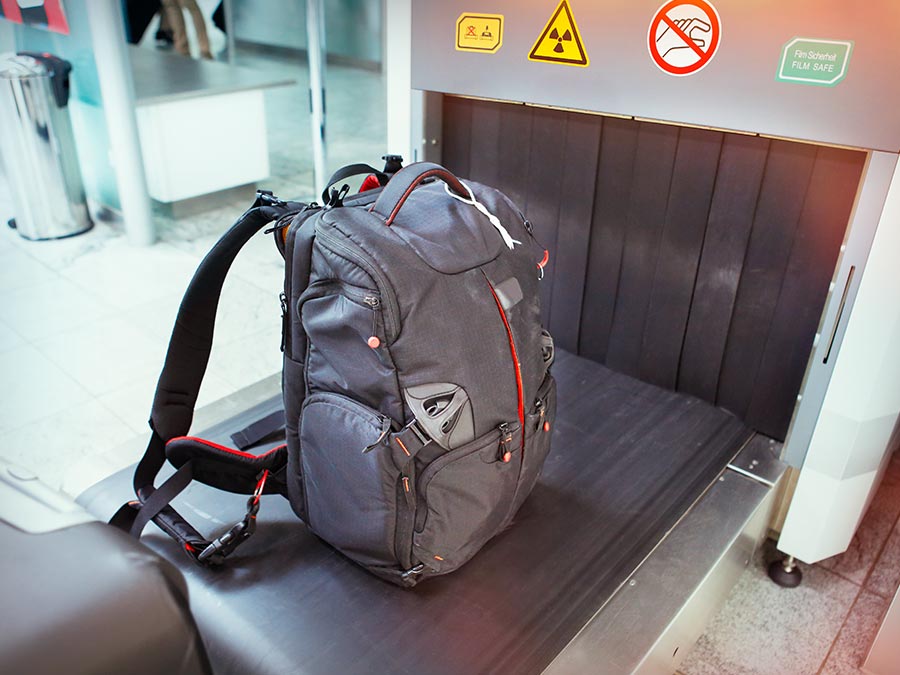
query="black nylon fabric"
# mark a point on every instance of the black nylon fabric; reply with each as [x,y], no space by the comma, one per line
[179,383]
[225,469]
[434,298]
[419,313]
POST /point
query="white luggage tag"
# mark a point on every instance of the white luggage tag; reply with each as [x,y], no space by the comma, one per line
[495,221]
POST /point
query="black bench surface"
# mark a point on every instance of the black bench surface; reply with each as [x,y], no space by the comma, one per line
[628,460]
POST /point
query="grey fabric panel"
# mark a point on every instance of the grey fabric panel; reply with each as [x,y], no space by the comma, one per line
[457,135]
[485,142]
[350,494]
[693,176]
[730,219]
[468,492]
[515,157]
[687,252]
[608,227]
[787,173]
[548,157]
[651,178]
[576,203]
[814,253]
[627,461]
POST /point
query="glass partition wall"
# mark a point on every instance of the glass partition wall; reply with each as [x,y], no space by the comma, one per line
[261,48]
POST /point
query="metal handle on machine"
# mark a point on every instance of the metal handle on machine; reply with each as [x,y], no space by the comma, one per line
[399,188]
[840,314]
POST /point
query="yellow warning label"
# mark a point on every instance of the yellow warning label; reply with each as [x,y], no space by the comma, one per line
[560,41]
[479,32]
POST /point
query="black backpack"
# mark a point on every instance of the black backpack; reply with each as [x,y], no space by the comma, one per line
[418,402]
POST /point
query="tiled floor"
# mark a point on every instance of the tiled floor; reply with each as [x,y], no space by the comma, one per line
[827,624]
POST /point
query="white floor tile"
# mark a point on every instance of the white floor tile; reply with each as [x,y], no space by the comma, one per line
[57,254]
[9,338]
[53,445]
[260,264]
[124,275]
[20,270]
[131,403]
[244,309]
[50,308]
[213,388]
[249,359]
[7,243]
[34,388]
[105,356]
[86,471]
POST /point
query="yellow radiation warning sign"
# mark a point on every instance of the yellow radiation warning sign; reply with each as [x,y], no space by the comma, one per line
[560,41]
[479,32]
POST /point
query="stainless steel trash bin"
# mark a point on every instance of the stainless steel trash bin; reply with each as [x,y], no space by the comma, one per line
[38,147]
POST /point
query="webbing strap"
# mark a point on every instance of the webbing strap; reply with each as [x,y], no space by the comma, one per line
[157,500]
[182,374]
[253,433]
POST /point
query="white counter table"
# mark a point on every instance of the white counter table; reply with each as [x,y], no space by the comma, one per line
[202,124]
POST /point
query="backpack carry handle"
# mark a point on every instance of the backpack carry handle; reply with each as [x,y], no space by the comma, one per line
[349,171]
[392,164]
[395,194]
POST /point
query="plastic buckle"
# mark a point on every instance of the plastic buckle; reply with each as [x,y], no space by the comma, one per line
[413,572]
[418,432]
[392,164]
[238,533]
[336,197]
[225,545]
[266,197]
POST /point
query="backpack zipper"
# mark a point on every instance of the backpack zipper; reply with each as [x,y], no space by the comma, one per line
[342,248]
[516,365]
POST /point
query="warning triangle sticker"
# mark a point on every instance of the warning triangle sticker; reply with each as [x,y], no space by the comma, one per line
[560,41]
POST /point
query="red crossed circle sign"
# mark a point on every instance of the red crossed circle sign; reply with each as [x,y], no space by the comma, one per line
[684,36]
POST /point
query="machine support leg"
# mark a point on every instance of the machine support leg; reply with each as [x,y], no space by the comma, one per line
[785,572]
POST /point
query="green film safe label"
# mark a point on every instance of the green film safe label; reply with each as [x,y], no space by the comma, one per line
[810,61]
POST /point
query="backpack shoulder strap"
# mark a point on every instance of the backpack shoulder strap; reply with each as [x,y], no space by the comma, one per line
[173,410]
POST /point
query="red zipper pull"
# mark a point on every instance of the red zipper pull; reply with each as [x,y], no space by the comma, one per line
[505,454]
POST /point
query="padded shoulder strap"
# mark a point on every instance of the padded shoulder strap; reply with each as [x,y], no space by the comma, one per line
[191,341]
[178,386]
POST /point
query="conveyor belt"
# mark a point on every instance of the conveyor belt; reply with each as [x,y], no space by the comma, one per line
[628,460]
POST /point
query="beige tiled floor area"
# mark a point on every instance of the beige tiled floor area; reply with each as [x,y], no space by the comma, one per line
[827,624]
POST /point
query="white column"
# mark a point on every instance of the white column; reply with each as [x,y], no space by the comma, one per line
[405,117]
[116,86]
[315,24]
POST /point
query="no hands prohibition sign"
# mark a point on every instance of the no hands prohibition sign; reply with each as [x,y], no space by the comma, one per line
[684,36]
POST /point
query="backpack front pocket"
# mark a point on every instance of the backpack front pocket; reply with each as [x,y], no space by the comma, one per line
[351,494]
[346,348]
[467,494]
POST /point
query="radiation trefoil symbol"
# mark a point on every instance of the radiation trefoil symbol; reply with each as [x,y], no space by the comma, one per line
[560,41]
